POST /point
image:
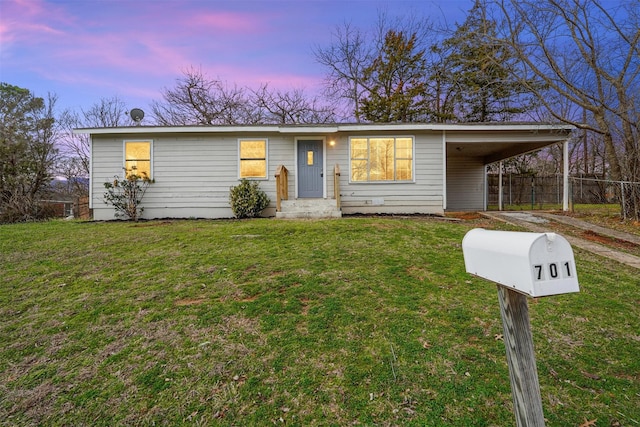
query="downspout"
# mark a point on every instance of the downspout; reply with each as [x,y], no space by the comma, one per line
[90,171]
[485,172]
[444,170]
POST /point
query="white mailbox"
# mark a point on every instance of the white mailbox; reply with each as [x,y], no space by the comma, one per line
[536,264]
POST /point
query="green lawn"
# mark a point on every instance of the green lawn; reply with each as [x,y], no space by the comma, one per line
[358,321]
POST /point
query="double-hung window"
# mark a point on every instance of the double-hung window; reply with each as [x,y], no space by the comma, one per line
[137,158]
[386,159]
[253,158]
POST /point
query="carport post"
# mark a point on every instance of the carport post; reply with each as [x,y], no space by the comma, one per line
[500,203]
[565,176]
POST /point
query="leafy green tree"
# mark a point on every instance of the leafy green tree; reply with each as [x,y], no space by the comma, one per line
[352,50]
[395,81]
[444,95]
[27,152]
[478,72]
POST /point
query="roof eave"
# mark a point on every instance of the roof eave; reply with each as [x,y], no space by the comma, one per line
[328,129]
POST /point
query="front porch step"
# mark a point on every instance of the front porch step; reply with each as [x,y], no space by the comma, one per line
[309,208]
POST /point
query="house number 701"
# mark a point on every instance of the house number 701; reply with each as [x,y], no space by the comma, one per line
[554,270]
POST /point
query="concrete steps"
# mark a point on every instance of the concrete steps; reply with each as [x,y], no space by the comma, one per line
[309,208]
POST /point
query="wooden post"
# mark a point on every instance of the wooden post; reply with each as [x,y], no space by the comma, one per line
[336,184]
[523,373]
[278,188]
[282,186]
[522,264]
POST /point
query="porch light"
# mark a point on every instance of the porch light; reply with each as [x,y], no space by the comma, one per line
[332,142]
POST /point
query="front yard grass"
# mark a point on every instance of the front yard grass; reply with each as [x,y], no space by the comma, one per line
[358,321]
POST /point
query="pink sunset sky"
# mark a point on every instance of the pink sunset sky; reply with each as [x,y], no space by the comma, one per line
[85,50]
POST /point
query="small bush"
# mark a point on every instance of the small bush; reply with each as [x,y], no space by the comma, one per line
[125,195]
[247,199]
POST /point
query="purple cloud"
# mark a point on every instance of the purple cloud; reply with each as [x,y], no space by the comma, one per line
[85,50]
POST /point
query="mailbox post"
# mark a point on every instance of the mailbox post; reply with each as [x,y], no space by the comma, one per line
[522,264]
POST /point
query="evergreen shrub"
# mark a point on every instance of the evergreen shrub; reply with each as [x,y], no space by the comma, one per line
[247,199]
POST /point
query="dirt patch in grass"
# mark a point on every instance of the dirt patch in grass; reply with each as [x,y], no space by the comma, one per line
[305,306]
[608,241]
[464,215]
[592,236]
[152,224]
[609,219]
[607,222]
[189,301]
[35,403]
[419,272]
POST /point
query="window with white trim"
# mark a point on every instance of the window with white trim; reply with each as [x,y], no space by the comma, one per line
[137,158]
[375,159]
[253,158]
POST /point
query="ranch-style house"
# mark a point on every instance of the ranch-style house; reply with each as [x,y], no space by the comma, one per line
[323,170]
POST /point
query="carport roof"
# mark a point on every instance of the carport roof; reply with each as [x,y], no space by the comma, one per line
[492,145]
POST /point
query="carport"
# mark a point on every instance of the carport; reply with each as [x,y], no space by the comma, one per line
[469,153]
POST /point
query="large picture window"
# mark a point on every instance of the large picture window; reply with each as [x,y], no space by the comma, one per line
[137,158]
[253,158]
[381,159]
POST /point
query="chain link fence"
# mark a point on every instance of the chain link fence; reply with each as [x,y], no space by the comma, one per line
[544,192]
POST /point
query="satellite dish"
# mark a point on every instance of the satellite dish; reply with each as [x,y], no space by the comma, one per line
[137,115]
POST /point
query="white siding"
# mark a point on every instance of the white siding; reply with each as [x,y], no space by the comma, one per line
[107,162]
[424,195]
[465,184]
[192,175]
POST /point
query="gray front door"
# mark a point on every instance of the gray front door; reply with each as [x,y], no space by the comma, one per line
[310,168]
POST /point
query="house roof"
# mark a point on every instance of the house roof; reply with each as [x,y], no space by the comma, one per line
[490,141]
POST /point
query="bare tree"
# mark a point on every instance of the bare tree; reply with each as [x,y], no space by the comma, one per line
[200,100]
[76,183]
[346,59]
[74,163]
[589,54]
[107,112]
[288,107]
